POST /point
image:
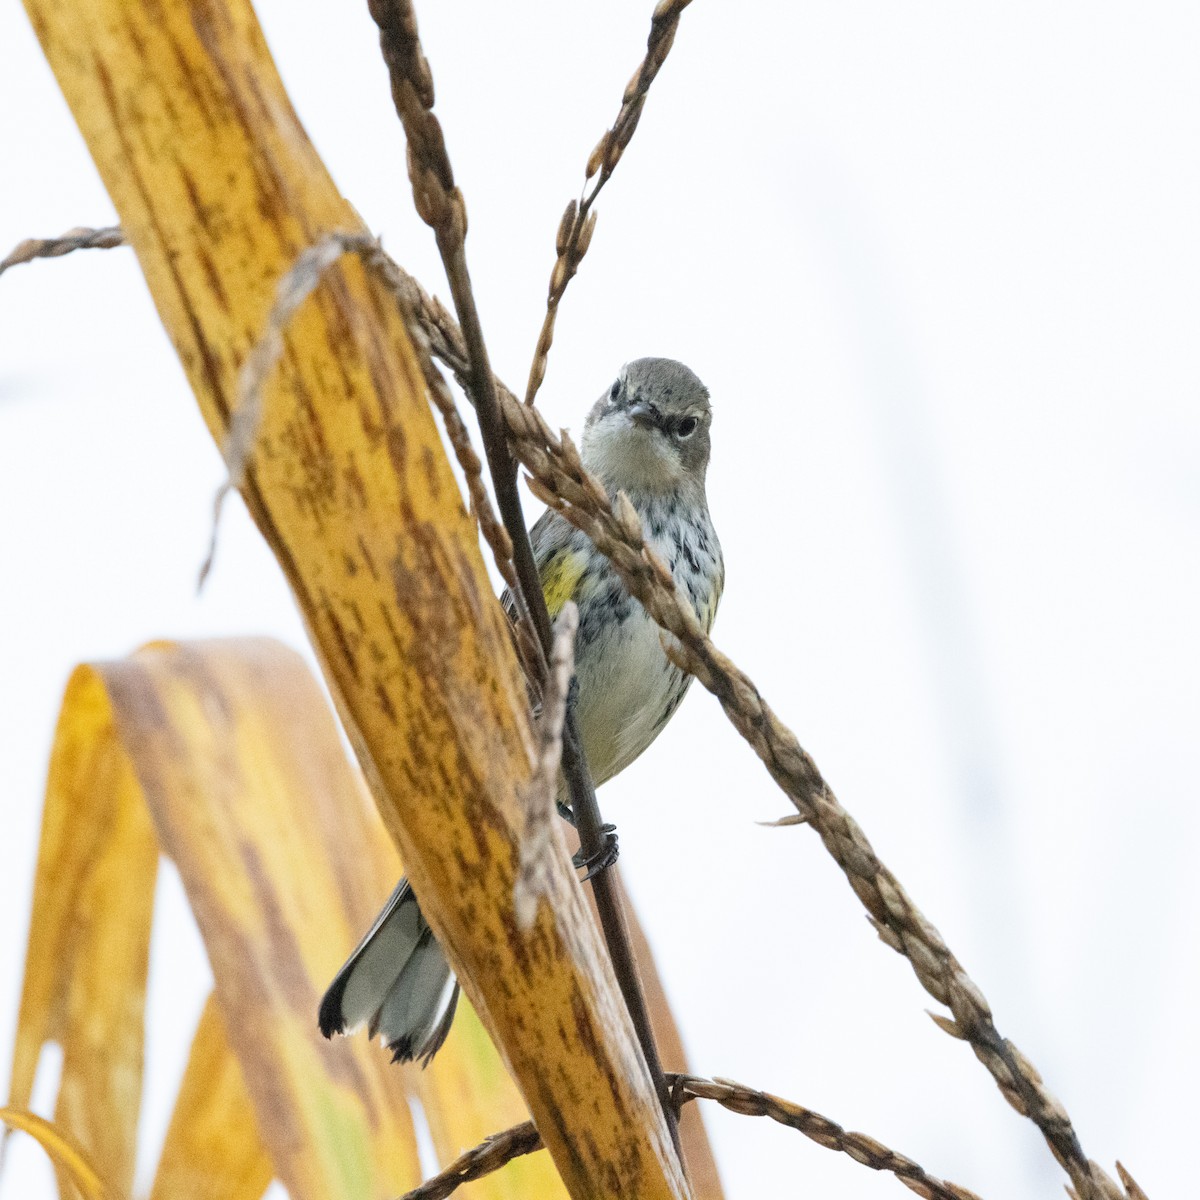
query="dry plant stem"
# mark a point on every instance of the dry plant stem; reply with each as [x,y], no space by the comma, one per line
[863,1149]
[436,329]
[80,238]
[541,815]
[559,477]
[493,531]
[490,1155]
[440,204]
[578,221]
[608,905]
[529,649]
[490,526]
[502,1148]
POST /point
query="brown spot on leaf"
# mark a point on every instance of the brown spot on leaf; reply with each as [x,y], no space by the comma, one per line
[366,555]
[343,642]
[385,702]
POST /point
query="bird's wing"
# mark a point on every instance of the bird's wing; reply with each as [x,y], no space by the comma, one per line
[560,553]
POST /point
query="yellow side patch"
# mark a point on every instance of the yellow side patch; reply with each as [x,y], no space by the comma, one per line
[560,576]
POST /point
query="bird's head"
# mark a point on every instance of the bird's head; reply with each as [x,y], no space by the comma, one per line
[649,432]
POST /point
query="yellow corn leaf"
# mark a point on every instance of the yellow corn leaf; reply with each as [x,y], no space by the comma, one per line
[242,770]
[219,190]
[285,861]
[232,751]
[85,975]
[213,1150]
[68,1157]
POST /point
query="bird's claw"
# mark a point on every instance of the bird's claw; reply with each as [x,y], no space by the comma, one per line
[604,858]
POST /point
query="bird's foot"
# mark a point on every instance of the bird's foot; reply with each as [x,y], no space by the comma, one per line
[603,858]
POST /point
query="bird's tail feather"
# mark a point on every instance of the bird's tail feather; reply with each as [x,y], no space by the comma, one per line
[397,983]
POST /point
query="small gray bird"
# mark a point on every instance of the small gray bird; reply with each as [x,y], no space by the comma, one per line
[648,436]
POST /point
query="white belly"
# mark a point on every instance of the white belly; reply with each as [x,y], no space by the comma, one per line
[628,688]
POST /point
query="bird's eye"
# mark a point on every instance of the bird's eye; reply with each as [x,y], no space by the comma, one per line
[686,427]
[615,390]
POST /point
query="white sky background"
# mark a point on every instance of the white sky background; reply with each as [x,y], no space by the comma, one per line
[940,267]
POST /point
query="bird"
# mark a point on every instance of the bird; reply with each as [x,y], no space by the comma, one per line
[648,435]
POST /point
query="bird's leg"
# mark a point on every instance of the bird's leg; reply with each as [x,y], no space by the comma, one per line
[608,852]
[604,857]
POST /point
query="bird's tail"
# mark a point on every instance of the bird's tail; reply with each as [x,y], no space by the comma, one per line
[397,982]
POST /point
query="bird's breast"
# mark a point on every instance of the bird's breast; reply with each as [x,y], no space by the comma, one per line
[628,687]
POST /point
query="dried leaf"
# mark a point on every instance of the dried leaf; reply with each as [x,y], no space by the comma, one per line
[213,1150]
[244,774]
[85,973]
[285,862]
[68,1156]
[232,748]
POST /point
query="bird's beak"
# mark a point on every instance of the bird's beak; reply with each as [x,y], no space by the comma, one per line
[644,415]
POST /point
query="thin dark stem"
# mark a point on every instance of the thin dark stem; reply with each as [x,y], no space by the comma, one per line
[612,916]
[575,769]
[440,204]
[501,464]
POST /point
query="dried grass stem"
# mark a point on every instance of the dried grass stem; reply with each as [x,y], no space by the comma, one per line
[441,206]
[559,478]
[578,222]
[541,815]
[501,1148]
[79,238]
